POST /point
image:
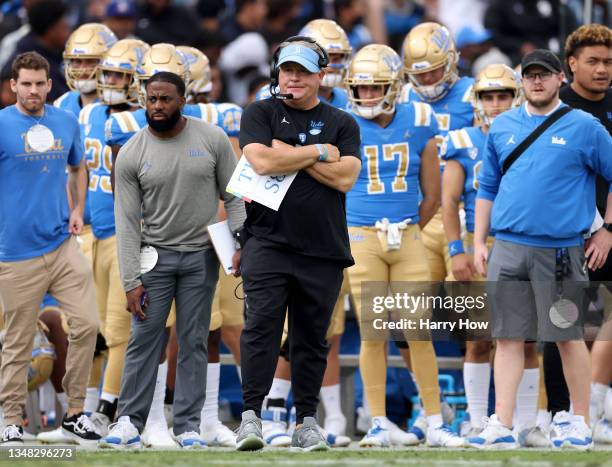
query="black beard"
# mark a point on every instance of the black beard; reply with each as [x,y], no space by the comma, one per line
[164,125]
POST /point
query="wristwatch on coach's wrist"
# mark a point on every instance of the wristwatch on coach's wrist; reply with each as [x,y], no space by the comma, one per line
[606,226]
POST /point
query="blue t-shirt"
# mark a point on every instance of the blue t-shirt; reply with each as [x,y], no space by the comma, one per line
[122,125]
[33,203]
[547,198]
[388,184]
[466,146]
[71,102]
[99,162]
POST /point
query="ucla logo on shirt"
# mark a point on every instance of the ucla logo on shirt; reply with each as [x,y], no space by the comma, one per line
[302,137]
[196,153]
[316,127]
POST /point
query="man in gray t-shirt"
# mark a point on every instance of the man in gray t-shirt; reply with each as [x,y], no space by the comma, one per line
[169,178]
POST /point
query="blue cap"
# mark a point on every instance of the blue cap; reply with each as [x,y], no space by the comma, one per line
[301,54]
[121,8]
[472,35]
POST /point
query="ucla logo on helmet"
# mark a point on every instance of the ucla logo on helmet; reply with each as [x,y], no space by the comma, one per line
[441,38]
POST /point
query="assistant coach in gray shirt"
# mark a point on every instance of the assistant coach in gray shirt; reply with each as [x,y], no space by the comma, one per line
[169,178]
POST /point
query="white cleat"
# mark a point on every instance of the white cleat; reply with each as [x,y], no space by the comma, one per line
[218,436]
[121,435]
[156,435]
[334,431]
[416,434]
[602,433]
[274,427]
[534,437]
[56,436]
[570,432]
[444,437]
[190,440]
[377,436]
[494,436]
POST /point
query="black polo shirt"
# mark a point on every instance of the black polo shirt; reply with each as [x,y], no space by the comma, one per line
[311,219]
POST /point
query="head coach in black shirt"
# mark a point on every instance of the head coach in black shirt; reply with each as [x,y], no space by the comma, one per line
[293,258]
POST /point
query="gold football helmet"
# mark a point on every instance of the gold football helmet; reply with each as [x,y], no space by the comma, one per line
[427,47]
[199,70]
[375,64]
[495,77]
[89,41]
[123,57]
[334,40]
[160,57]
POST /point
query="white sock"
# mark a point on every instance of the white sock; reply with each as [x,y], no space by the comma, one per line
[239,374]
[156,412]
[210,410]
[543,419]
[91,400]
[330,397]
[476,380]
[46,397]
[598,396]
[608,405]
[280,389]
[62,398]
[108,397]
[527,399]
[434,421]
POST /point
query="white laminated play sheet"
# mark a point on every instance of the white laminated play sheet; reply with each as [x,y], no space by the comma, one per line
[269,190]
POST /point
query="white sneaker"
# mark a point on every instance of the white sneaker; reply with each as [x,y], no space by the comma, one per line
[416,433]
[12,435]
[559,428]
[218,435]
[377,436]
[190,440]
[534,437]
[274,427]
[56,436]
[602,433]
[121,435]
[100,422]
[334,431]
[576,435]
[494,436]
[443,436]
[156,435]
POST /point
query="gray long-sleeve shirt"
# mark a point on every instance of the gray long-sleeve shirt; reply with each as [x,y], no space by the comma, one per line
[173,186]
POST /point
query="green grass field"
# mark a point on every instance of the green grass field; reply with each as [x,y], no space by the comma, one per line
[346,458]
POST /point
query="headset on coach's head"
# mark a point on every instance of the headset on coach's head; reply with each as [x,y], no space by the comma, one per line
[308,42]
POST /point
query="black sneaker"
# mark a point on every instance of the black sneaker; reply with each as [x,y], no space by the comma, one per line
[80,428]
[12,435]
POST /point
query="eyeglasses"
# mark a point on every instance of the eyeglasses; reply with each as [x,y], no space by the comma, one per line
[543,75]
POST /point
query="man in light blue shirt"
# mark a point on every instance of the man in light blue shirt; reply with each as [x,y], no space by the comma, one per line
[540,209]
[38,252]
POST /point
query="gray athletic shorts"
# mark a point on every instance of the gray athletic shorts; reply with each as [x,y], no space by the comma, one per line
[521,289]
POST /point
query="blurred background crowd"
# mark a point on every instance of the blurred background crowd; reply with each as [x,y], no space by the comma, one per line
[238,36]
